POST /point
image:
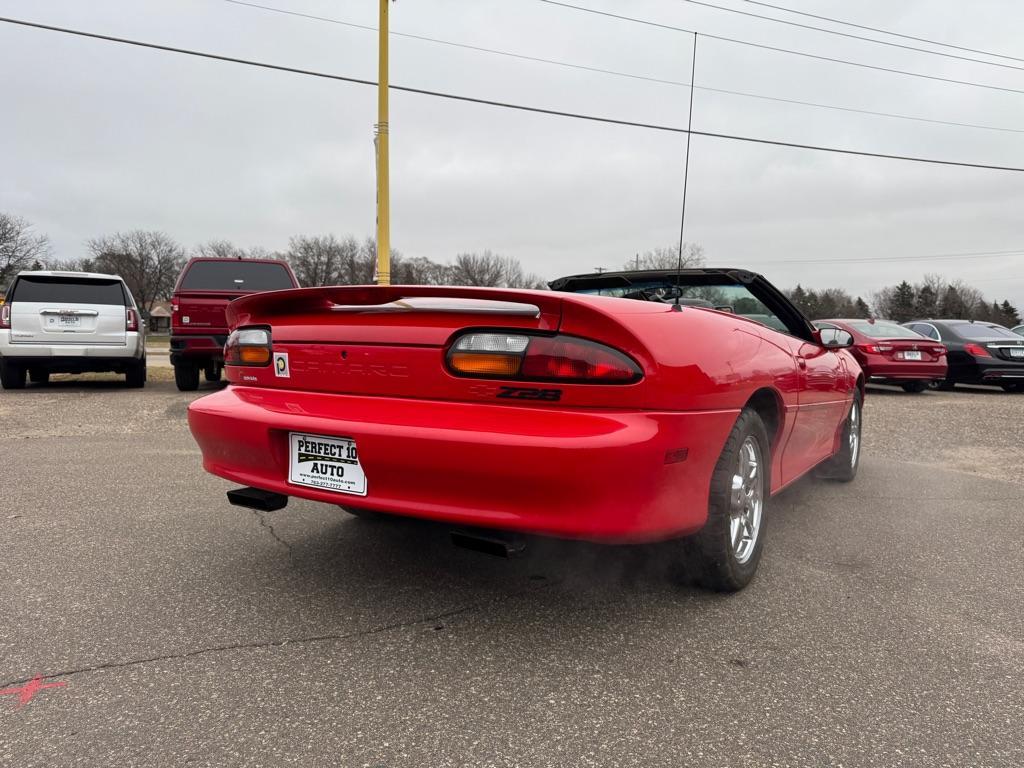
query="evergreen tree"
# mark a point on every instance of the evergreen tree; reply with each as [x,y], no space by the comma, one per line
[1010,314]
[926,303]
[861,309]
[903,298]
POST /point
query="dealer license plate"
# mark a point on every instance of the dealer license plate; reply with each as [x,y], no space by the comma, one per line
[911,355]
[70,321]
[328,463]
[1019,352]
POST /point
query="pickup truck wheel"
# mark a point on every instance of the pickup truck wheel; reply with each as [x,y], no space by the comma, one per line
[725,554]
[186,376]
[12,375]
[135,376]
[39,375]
[212,372]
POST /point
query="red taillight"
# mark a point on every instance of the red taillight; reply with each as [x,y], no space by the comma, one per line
[871,349]
[5,316]
[568,359]
[976,350]
[175,315]
[131,320]
[540,358]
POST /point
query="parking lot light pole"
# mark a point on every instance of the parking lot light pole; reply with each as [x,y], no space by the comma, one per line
[381,144]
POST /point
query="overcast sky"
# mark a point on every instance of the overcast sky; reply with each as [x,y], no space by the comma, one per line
[97,137]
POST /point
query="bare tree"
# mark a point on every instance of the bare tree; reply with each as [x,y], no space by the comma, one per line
[493,270]
[225,249]
[19,246]
[149,262]
[667,257]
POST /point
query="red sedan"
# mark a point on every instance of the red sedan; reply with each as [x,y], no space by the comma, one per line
[669,408]
[890,353]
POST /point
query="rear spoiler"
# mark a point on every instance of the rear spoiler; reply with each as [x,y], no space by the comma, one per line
[413,299]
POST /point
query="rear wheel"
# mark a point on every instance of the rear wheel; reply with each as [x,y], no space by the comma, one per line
[12,375]
[212,372]
[135,376]
[186,376]
[725,554]
[914,386]
[39,375]
[843,466]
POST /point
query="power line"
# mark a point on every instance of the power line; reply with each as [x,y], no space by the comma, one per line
[507,105]
[634,76]
[777,49]
[849,35]
[466,46]
[885,31]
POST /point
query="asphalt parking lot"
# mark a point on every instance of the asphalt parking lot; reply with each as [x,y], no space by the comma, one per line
[884,628]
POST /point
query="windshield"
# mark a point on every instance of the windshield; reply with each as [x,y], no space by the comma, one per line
[883,330]
[736,299]
[235,275]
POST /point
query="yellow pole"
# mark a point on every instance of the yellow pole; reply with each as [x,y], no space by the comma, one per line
[383,190]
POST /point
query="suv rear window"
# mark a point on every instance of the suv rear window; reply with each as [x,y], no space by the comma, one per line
[67,290]
[237,275]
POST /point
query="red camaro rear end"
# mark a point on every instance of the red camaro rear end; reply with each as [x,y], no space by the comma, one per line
[890,353]
[540,412]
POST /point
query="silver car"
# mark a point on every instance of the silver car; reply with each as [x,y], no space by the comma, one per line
[70,322]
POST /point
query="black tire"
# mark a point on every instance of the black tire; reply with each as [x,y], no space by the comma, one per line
[186,376]
[135,376]
[212,372]
[710,557]
[946,385]
[12,375]
[914,386]
[843,466]
[39,375]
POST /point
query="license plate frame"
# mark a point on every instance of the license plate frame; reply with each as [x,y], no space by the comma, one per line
[1017,353]
[913,355]
[326,462]
[65,320]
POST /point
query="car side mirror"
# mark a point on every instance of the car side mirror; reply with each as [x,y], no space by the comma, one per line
[835,338]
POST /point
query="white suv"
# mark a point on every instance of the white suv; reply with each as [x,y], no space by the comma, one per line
[70,322]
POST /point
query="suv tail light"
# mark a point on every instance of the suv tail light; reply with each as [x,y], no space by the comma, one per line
[976,350]
[5,316]
[248,346]
[540,358]
[131,319]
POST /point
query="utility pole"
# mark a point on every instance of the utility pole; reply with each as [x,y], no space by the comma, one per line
[381,144]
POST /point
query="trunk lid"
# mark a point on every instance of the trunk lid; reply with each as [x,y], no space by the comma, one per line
[910,350]
[392,341]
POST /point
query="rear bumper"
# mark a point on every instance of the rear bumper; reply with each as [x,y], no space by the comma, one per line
[590,474]
[988,372]
[907,372]
[84,356]
[197,348]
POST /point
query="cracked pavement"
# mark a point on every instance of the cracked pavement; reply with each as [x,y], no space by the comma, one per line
[884,629]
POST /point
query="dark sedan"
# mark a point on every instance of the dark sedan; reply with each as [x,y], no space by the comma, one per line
[979,352]
[890,353]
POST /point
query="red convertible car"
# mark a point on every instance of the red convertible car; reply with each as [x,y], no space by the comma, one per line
[621,407]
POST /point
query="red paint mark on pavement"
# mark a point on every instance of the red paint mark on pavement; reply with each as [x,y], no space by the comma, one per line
[30,689]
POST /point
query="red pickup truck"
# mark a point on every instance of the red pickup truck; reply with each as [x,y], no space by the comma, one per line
[199,326]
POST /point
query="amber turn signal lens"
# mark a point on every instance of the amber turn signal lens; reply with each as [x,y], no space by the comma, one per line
[254,355]
[486,364]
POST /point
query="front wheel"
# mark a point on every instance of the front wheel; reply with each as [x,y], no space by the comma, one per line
[135,376]
[914,386]
[725,554]
[943,385]
[212,372]
[843,466]
[39,375]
